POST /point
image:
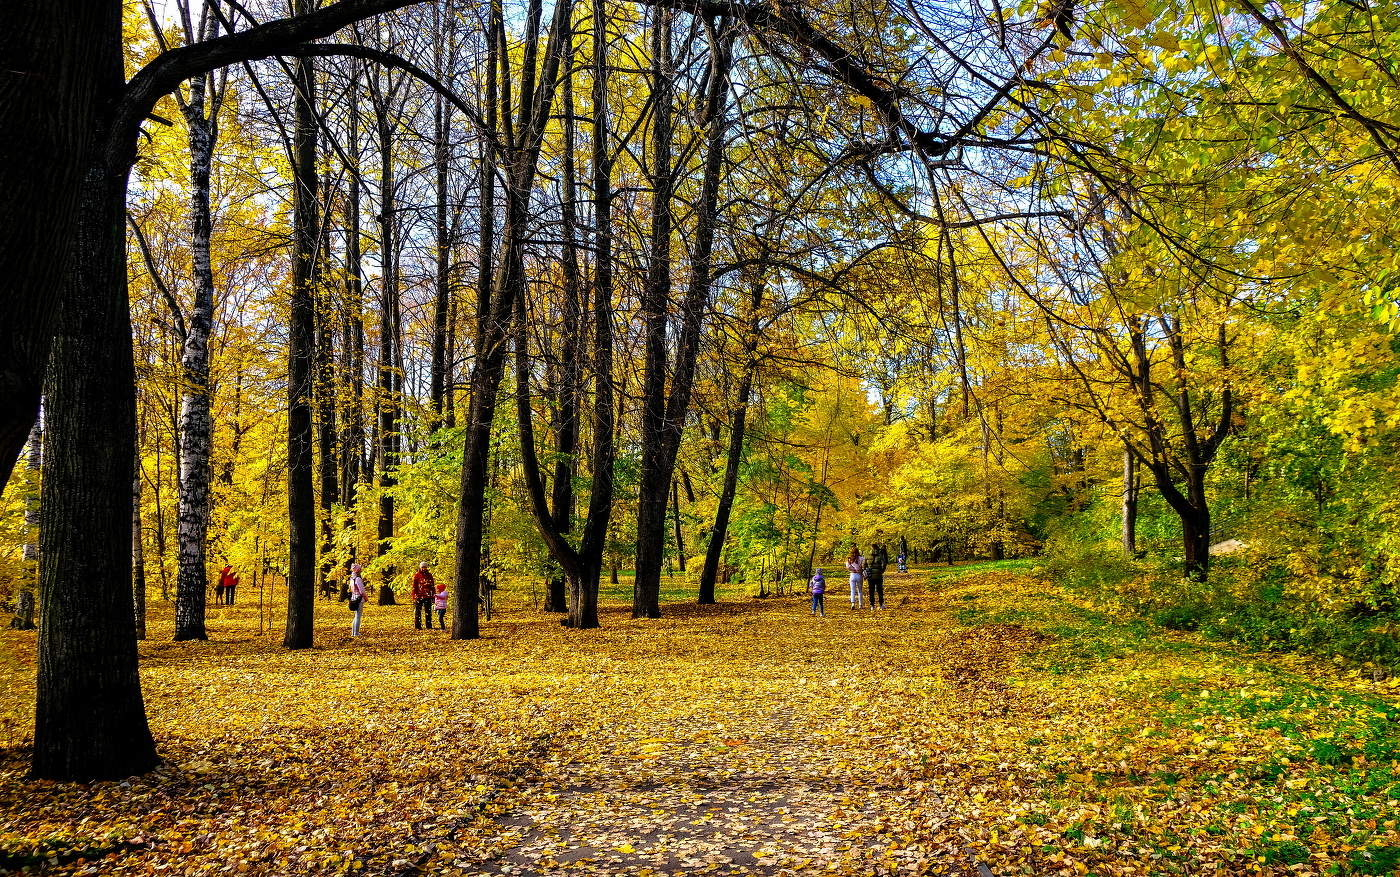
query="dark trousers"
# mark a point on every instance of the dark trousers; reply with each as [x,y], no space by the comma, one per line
[442,614]
[423,612]
[228,594]
[877,589]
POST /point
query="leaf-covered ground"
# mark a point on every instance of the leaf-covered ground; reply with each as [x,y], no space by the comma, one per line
[985,715]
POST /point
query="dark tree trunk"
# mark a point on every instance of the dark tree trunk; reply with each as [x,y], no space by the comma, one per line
[90,719]
[471,509]
[301,487]
[1130,503]
[715,550]
[439,377]
[389,366]
[327,460]
[676,525]
[661,437]
[352,446]
[655,305]
[49,87]
[494,326]
[567,392]
[583,592]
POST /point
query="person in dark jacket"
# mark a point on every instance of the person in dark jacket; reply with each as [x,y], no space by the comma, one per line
[875,574]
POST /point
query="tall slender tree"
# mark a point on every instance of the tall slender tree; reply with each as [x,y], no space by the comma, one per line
[201,111]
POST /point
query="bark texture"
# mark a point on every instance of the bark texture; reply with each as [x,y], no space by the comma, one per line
[301,488]
[196,423]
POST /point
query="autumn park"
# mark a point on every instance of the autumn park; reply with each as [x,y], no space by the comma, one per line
[651,437]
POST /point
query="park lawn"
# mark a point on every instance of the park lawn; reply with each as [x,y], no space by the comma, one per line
[1092,744]
[993,715]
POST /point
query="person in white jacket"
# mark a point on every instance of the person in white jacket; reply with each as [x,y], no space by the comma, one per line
[357,598]
[855,565]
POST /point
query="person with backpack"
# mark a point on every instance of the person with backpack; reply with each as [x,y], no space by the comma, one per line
[423,587]
[817,588]
[875,574]
[855,565]
[357,598]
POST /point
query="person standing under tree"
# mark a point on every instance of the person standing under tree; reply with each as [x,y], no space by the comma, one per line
[357,598]
[221,584]
[855,565]
[230,586]
[875,574]
[423,587]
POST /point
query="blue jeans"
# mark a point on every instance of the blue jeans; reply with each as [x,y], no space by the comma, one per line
[818,604]
[359,613]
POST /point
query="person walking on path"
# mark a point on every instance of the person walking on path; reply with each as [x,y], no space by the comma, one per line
[357,598]
[817,588]
[423,586]
[855,565]
[440,604]
[875,574]
[230,586]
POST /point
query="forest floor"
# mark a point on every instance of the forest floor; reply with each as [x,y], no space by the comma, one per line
[984,716]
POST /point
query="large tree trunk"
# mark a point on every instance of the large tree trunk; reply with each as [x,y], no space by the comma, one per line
[196,422]
[583,591]
[536,97]
[301,487]
[661,436]
[656,299]
[28,585]
[471,508]
[49,88]
[90,720]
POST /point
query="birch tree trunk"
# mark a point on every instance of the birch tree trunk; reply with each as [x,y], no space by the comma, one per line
[196,422]
[138,552]
[24,601]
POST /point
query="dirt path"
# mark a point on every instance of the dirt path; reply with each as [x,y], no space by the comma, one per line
[719,795]
[748,778]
